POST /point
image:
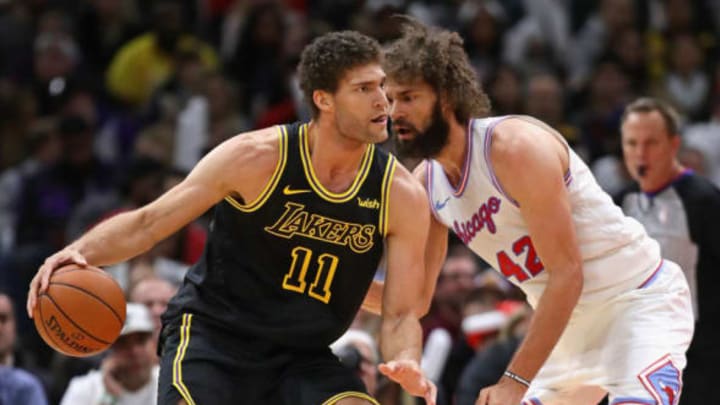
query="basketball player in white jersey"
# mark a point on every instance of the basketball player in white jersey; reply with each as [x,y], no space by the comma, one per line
[610,315]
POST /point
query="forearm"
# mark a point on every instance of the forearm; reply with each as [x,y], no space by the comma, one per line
[551,316]
[401,338]
[373,298]
[115,240]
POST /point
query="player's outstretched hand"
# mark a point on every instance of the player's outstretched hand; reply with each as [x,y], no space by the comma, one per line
[39,283]
[408,374]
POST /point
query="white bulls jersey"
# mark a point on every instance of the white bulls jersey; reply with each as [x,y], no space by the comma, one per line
[617,253]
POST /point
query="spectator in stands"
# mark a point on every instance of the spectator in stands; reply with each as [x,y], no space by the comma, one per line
[49,197]
[442,326]
[154,293]
[545,100]
[358,350]
[148,60]
[43,149]
[490,362]
[128,375]
[681,210]
[17,386]
[455,283]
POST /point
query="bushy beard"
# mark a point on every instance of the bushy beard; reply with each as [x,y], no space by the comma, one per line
[427,143]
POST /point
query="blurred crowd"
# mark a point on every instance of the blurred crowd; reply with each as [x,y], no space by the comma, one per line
[105,104]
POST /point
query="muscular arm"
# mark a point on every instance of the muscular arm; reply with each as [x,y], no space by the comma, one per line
[240,166]
[435,248]
[129,234]
[530,165]
[435,251]
[401,335]
[373,298]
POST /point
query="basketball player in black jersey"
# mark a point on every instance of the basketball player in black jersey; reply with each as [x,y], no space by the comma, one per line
[302,215]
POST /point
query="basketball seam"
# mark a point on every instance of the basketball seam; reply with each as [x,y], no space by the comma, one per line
[92,295]
[75,324]
[40,312]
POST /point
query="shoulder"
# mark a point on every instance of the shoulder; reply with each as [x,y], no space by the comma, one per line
[406,185]
[257,148]
[92,378]
[697,189]
[519,138]
[141,43]
[21,378]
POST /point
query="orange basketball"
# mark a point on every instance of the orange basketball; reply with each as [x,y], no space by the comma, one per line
[82,311]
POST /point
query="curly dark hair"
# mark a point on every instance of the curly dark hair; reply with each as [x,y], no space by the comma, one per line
[324,62]
[438,58]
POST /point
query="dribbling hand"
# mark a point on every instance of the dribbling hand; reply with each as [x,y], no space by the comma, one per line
[39,283]
[408,374]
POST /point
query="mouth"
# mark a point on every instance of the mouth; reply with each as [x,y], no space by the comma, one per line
[380,119]
[402,132]
[642,170]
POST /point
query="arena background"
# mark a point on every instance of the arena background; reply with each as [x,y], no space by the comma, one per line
[105,103]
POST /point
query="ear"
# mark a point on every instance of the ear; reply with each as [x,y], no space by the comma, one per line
[676,142]
[323,100]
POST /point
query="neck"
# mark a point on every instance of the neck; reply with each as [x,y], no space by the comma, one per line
[333,155]
[452,156]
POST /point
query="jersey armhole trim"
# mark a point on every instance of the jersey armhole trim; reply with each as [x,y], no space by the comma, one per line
[567,176]
[274,179]
[488,162]
[429,187]
[385,196]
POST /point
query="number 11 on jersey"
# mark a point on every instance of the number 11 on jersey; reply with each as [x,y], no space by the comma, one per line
[295,279]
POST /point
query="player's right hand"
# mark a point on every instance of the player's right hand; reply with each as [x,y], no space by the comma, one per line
[39,283]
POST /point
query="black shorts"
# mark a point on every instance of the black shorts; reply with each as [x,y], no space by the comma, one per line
[203,364]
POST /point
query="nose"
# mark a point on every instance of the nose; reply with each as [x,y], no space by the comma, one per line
[641,152]
[381,101]
[395,111]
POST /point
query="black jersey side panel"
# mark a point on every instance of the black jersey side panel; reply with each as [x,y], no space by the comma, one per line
[702,206]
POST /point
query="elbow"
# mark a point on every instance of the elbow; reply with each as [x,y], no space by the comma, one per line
[576,281]
[570,281]
[144,223]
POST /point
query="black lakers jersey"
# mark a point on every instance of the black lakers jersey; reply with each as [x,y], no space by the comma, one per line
[294,265]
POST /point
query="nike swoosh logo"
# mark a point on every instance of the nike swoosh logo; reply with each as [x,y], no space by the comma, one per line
[288,191]
[440,205]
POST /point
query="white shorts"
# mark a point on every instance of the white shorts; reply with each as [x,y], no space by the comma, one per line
[632,347]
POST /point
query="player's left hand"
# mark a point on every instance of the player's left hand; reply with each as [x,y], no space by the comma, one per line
[409,375]
[505,392]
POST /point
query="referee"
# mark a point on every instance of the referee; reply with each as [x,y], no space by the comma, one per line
[681,210]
